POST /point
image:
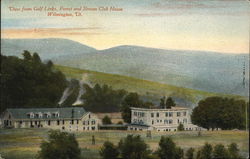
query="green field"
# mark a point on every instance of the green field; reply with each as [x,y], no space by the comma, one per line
[152,91]
[24,143]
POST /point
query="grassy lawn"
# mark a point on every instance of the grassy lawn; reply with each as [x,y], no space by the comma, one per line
[24,143]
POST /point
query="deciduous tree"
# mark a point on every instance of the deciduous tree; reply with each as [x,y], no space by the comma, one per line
[60,145]
[218,112]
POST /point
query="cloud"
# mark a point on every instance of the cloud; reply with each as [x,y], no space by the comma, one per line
[186,4]
[49,32]
[157,14]
[191,7]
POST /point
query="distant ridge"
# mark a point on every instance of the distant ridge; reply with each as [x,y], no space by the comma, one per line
[201,70]
[47,48]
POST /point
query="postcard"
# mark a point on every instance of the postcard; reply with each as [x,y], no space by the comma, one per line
[119,79]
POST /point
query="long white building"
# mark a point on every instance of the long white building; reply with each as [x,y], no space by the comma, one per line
[161,119]
[64,118]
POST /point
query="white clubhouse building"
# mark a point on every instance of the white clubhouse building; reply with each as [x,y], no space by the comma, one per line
[161,119]
[63,118]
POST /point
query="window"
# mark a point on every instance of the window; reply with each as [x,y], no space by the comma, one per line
[31,115]
[170,114]
[135,120]
[152,115]
[166,114]
[165,121]
[48,115]
[77,121]
[63,122]
[170,121]
[93,122]
[72,122]
[184,120]
[89,116]
[178,121]
[135,113]
[88,122]
[184,113]
[83,123]
[157,114]
[152,122]
[58,122]
[178,113]
[20,122]
[49,122]
[142,114]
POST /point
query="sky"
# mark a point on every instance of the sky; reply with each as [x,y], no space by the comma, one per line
[206,25]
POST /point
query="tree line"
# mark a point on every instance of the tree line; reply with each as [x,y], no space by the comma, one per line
[63,145]
[133,147]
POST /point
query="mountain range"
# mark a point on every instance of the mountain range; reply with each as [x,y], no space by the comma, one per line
[201,70]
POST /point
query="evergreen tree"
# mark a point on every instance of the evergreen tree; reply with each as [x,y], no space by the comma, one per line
[206,151]
[167,148]
[50,64]
[109,151]
[233,151]
[179,153]
[106,120]
[198,155]
[102,98]
[133,147]
[220,152]
[131,100]
[36,58]
[27,55]
[126,114]
[162,102]
[190,153]
[170,103]
[180,127]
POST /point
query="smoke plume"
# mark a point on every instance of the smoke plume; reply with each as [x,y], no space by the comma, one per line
[84,80]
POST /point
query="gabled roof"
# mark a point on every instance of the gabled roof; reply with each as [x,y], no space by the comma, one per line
[64,112]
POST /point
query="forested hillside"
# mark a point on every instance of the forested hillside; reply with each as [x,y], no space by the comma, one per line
[28,82]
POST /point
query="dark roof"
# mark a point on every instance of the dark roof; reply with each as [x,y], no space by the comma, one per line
[64,112]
